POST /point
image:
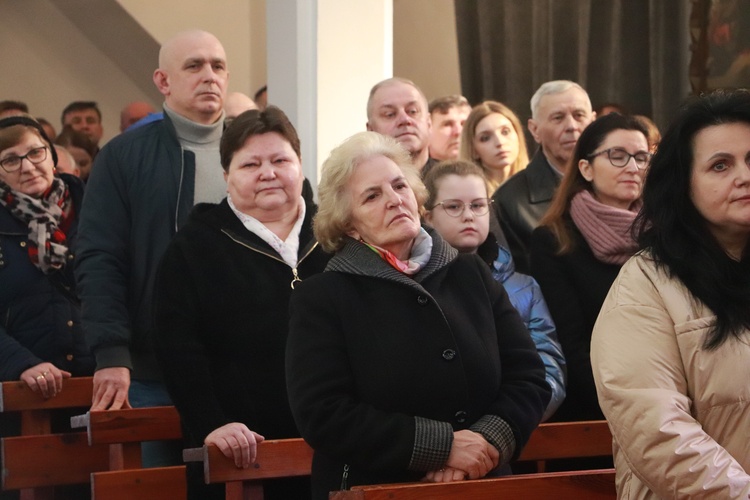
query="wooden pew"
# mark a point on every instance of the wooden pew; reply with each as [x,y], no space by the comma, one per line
[290,457]
[574,485]
[159,483]
[37,460]
[275,459]
[123,431]
[567,440]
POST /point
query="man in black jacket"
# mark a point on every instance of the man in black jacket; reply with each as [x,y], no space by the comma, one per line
[398,108]
[142,188]
[560,110]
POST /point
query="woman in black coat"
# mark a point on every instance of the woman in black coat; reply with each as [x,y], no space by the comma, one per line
[405,360]
[583,241]
[222,294]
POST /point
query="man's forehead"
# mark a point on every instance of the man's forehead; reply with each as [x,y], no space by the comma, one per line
[80,112]
[397,94]
[194,46]
[451,112]
[571,99]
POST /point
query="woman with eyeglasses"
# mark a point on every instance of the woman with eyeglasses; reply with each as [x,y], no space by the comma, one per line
[584,239]
[41,341]
[405,359]
[459,197]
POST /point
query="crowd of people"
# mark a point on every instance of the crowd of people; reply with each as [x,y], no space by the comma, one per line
[447,293]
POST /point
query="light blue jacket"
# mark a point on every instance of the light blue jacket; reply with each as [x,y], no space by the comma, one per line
[526,297]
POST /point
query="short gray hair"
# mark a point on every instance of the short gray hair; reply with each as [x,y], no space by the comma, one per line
[391,81]
[333,220]
[549,88]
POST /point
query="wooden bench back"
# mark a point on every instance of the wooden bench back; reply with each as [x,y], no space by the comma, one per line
[292,457]
[568,440]
[35,411]
[132,425]
[125,430]
[576,485]
[158,483]
[38,460]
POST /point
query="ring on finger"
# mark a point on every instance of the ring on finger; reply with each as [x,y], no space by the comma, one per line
[44,374]
[39,377]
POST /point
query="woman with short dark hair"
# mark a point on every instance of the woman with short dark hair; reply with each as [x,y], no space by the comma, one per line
[671,348]
[222,298]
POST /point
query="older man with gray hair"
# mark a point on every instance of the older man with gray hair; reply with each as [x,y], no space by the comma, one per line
[398,108]
[560,110]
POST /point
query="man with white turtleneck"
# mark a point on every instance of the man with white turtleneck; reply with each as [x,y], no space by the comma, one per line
[144,184]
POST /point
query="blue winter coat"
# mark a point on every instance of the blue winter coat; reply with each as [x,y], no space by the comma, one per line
[526,297]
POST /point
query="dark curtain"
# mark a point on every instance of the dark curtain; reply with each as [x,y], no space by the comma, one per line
[633,52]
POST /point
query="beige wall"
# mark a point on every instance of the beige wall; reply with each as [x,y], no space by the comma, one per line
[425,49]
[49,61]
[239,24]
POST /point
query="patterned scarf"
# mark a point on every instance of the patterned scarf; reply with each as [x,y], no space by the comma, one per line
[420,254]
[606,229]
[47,242]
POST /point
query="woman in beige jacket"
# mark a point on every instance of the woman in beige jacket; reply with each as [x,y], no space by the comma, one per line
[671,348]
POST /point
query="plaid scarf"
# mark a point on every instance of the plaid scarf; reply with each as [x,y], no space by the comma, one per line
[47,242]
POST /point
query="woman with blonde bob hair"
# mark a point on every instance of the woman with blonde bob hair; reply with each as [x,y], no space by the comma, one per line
[405,359]
[493,138]
[333,219]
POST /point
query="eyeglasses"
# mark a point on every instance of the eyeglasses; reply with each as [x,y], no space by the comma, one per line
[455,208]
[13,163]
[618,157]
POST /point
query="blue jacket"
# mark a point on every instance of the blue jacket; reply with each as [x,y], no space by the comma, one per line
[526,297]
[39,314]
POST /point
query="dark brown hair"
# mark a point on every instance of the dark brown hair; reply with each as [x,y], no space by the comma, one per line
[573,181]
[255,122]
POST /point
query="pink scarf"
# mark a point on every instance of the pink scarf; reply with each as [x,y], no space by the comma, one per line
[606,229]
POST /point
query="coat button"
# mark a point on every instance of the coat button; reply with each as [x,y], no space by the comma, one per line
[461,416]
[70,322]
[422,300]
[23,244]
[449,354]
[71,256]
[2,262]
[69,357]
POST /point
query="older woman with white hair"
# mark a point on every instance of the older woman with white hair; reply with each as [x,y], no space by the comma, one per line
[405,359]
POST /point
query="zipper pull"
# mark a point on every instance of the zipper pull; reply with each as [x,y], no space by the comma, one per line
[296,278]
[344,478]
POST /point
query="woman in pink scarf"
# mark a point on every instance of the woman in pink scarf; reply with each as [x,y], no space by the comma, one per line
[584,239]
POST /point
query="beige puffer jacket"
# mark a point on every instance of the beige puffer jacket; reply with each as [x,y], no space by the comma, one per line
[680,415]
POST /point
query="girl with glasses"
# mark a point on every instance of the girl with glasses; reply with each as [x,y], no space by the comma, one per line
[458,195]
[584,239]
